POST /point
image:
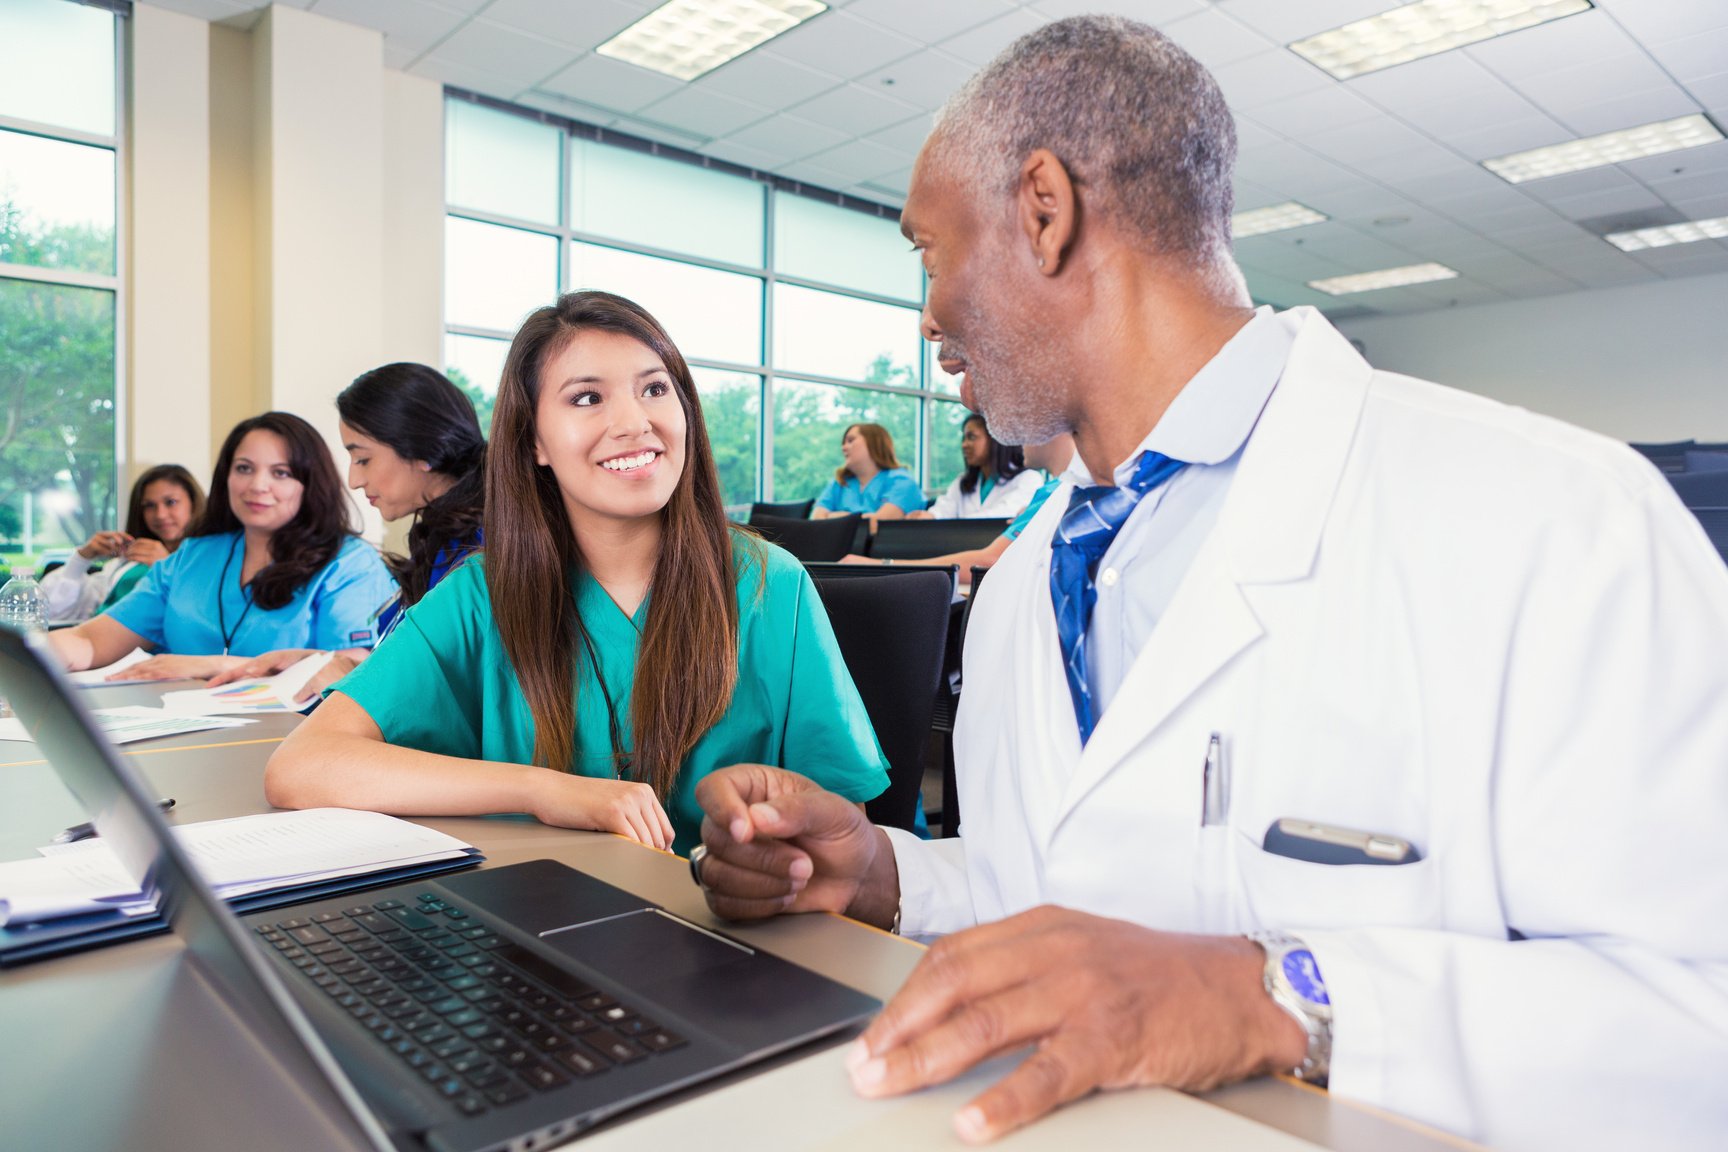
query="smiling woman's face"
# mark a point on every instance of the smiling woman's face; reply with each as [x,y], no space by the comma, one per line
[262,490]
[609,424]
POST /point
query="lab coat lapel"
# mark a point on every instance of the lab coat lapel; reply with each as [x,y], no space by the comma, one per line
[1268,532]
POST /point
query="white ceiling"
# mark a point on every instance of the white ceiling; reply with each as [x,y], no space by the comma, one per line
[844,101]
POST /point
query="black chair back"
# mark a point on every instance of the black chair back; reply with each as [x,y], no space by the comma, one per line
[1669,457]
[1715,522]
[892,633]
[791,510]
[1701,489]
[810,540]
[918,539]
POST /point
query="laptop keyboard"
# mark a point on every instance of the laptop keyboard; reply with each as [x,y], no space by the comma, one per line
[484,1021]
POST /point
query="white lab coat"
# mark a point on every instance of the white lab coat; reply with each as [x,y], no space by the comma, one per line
[1425,614]
[1006,500]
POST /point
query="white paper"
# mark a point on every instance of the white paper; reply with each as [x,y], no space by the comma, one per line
[136,722]
[96,677]
[250,697]
[237,857]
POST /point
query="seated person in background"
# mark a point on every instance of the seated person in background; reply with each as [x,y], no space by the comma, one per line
[996,483]
[870,481]
[164,501]
[415,449]
[617,640]
[1052,457]
[272,563]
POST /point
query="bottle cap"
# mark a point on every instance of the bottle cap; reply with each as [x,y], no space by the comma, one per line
[23,570]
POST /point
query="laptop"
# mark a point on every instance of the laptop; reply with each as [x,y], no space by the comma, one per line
[505,1008]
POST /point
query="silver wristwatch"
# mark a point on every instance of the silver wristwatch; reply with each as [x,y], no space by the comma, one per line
[1292,978]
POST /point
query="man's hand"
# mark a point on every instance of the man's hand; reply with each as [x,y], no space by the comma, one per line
[1104,1004]
[778,842]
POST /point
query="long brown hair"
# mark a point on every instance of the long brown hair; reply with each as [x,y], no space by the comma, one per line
[301,548]
[138,527]
[687,659]
[880,444]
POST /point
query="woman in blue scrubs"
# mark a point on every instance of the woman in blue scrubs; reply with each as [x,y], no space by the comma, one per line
[273,562]
[870,480]
[617,640]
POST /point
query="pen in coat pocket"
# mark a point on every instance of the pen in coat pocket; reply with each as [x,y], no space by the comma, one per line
[84,831]
[1214,783]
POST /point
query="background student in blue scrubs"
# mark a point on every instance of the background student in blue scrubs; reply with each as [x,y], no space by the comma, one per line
[871,480]
[617,640]
[273,562]
[415,449]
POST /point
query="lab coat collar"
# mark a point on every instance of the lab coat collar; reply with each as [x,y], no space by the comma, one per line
[1268,531]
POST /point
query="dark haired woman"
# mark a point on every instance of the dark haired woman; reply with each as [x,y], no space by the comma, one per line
[272,563]
[164,501]
[617,640]
[415,449]
[996,483]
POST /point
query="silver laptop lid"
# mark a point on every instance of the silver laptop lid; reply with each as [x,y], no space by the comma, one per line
[121,809]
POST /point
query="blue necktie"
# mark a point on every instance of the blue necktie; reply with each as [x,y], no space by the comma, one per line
[1094,517]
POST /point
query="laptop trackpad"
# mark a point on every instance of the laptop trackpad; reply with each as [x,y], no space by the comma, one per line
[658,951]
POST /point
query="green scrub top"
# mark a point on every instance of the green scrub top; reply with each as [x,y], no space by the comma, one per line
[443,683]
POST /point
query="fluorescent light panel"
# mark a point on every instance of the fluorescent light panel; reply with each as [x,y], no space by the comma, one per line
[1425,29]
[1385,278]
[1608,148]
[686,38]
[1275,218]
[1685,232]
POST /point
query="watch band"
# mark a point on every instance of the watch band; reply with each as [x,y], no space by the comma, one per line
[1292,979]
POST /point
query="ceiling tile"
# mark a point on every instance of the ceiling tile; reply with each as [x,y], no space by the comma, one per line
[1610,202]
[1511,136]
[835,42]
[1629,110]
[585,25]
[1694,57]
[907,136]
[1157,13]
[789,136]
[1216,40]
[1689,187]
[1658,20]
[1432,80]
[855,110]
[981,45]
[925,79]
[609,83]
[860,160]
[1712,92]
[761,77]
[1281,21]
[494,48]
[1488,102]
[398,58]
[757,158]
[933,22]
[1271,77]
[567,106]
[407,25]
[1569,42]
[707,114]
[1361,201]
[1330,107]
[1705,207]
[1552,188]
[1291,170]
[454,72]
[1366,140]
[1566,88]
[1448,184]
[1655,170]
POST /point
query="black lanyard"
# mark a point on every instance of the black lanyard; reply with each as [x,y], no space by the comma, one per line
[620,761]
[221,610]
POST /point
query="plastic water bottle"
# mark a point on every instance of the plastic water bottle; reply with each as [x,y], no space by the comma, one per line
[21,608]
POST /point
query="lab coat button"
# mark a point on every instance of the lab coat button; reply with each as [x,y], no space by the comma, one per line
[1108,578]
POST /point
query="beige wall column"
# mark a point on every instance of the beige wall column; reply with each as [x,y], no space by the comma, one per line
[168,302]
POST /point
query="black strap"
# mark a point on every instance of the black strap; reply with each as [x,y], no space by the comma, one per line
[620,760]
[221,609]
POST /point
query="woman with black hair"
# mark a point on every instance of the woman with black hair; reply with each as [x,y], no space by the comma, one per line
[272,562]
[415,449]
[995,485]
[165,501]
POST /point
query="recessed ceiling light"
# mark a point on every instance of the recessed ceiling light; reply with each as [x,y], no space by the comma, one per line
[1608,148]
[1275,218]
[1685,232]
[686,38]
[1423,29]
[1385,278]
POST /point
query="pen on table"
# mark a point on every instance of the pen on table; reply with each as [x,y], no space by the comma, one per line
[84,831]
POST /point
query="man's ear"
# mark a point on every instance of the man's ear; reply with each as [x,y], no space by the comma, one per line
[1046,207]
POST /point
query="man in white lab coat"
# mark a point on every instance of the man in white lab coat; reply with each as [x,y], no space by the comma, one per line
[1495,644]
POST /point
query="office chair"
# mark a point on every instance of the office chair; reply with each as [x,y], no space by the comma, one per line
[791,510]
[1669,457]
[893,633]
[1701,489]
[1715,522]
[917,539]
[810,540]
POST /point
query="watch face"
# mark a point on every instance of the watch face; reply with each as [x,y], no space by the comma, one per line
[1304,976]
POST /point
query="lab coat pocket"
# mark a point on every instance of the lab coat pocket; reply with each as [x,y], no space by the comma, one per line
[1283,893]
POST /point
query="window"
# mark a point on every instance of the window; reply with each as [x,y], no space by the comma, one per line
[797,316]
[59,287]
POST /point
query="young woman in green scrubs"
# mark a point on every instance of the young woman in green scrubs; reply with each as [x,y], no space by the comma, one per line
[617,641]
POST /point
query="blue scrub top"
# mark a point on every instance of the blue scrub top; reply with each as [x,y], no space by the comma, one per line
[448,557]
[892,486]
[175,607]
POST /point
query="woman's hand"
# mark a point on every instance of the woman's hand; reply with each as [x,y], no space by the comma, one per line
[105,544]
[146,552]
[266,665]
[625,807]
[177,668]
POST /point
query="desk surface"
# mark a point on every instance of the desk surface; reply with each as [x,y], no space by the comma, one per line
[144,1056]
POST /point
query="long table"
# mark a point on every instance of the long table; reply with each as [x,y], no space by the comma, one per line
[127,1047]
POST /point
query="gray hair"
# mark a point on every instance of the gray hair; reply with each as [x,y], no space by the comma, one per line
[1138,123]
